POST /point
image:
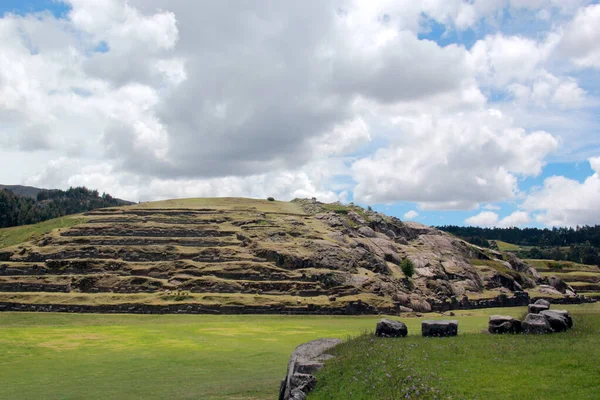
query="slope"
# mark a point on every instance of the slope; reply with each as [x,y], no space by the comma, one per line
[234,255]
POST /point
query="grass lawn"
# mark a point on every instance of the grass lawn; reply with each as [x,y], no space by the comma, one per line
[92,356]
[19,234]
[470,366]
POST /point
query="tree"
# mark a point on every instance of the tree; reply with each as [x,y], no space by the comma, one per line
[407,267]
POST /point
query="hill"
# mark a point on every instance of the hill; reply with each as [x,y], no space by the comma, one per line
[25,191]
[579,245]
[233,255]
[16,210]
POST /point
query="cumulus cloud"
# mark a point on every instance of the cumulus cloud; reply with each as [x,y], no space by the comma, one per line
[581,36]
[412,214]
[490,218]
[517,218]
[452,163]
[567,202]
[152,99]
[484,218]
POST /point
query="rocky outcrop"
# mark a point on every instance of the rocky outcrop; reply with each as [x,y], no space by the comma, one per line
[500,324]
[390,328]
[240,247]
[439,328]
[306,359]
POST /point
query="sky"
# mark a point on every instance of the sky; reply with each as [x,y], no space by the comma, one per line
[443,112]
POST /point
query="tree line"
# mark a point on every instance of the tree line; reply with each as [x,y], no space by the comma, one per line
[580,244]
[18,210]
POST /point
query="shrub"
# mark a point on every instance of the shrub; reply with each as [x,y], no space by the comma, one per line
[270,199]
[408,268]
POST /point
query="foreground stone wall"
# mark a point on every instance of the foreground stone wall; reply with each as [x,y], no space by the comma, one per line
[352,308]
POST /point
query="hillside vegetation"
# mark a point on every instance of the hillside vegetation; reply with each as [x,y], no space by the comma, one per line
[232,255]
[580,244]
[17,210]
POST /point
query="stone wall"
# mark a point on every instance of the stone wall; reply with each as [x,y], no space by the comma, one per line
[352,308]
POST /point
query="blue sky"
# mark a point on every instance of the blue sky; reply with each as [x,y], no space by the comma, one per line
[23,7]
[459,112]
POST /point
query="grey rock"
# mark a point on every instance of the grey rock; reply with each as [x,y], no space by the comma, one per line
[390,328]
[304,361]
[499,324]
[557,321]
[536,323]
[567,315]
[439,328]
[543,302]
[536,308]
[367,232]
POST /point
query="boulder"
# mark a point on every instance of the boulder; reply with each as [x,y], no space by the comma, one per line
[536,308]
[543,302]
[439,328]
[304,362]
[566,314]
[504,324]
[557,321]
[390,328]
[536,323]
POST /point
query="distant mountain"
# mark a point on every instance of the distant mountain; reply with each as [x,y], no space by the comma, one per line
[27,191]
[37,205]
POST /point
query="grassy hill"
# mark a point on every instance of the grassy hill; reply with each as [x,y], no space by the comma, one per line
[231,253]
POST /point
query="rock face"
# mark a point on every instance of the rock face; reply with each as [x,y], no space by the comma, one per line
[557,320]
[536,308]
[439,328]
[306,359]
[499,324]
[536,323]
[389,328]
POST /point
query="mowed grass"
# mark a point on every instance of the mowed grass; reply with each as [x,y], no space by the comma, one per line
[93,356]
[470,366]
[20,234]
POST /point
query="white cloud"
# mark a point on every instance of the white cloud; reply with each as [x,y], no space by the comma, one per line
[154,98]
[484,218]
[581,37]
[548,90]
[452,163]
[500,59]
[517,218]
[412,214]
[567,202]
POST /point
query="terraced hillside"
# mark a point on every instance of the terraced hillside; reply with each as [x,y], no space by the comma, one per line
[242,255]
[584,279]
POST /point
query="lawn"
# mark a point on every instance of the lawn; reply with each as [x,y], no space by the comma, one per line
[19,234]
[470,366]
[87,356]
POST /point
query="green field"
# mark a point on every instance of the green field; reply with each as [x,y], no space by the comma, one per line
[20,234]
[470,366]
[75,356]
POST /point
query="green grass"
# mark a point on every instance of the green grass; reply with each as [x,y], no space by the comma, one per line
[505,246]
[469,366]
[558,266]
[20,234]
[76,356]
[228,203]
